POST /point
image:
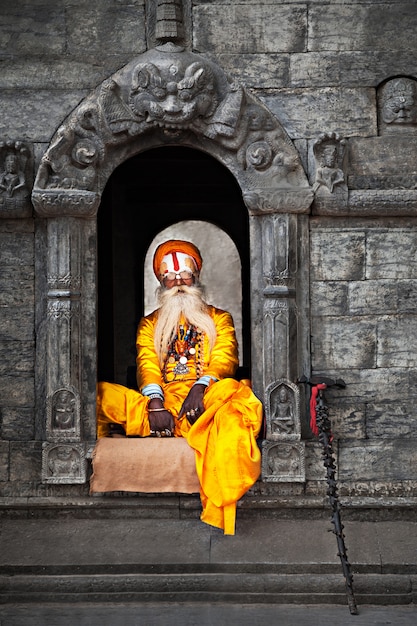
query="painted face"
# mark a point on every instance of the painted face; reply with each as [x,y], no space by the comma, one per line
[177,266]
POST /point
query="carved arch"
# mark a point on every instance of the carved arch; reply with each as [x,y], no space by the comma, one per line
[170,96]
[167,96]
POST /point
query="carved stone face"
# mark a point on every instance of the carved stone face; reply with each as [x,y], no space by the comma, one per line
[11,164]
[173,96]
[400,103]
[329,156]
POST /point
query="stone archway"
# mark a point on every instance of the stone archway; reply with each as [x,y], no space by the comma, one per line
[167,96]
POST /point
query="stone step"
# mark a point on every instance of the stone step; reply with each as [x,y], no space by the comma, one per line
[212,587]
[126,558]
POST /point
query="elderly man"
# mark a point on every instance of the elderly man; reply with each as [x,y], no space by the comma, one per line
[187,356]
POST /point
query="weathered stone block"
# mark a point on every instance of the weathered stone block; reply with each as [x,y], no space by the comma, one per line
[17,391]
[343,342]
[32,30]
[329,298]
[391,253]
[314,461]
[17,323]
[70,73]
[367,385]
[250,28]
[372,297]
[363,26]
[17,248]
[397,341]
[17,226]
[406,296]
[257,70]
[34,115]
[314,68]
[16,286]
[378,460]
[310,112]
[115,28]
[351,68]
[337,255]
[348,420]
[392,419]
[382,162]
[4,461]
[17,424]
[25,461]
[16,357]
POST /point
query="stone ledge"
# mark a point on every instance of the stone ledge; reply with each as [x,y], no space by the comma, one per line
[243,587]
[122,504]
[369,203]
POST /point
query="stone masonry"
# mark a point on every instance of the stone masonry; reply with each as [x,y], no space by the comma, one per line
[339,83]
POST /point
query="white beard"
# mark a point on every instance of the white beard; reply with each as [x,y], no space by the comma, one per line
[176,302]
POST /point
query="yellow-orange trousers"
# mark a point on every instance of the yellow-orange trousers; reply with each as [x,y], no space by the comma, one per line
[228,458]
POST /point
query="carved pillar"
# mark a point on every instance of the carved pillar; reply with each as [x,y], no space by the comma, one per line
[278,351]
[63,454]
[274,309]
[69,334]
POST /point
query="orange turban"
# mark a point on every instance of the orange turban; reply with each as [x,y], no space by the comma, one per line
[176,245]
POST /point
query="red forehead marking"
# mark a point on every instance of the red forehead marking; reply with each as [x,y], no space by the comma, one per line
[175,259]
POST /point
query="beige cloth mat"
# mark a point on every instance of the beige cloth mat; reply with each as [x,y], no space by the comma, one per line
[151,465]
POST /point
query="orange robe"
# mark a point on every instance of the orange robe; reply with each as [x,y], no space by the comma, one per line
[224,437]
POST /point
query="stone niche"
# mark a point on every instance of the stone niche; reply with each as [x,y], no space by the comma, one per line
[170,96]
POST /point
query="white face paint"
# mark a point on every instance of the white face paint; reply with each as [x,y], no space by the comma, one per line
[177,265]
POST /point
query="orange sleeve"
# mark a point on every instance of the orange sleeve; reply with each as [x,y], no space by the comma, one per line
[147,363]
[224,358]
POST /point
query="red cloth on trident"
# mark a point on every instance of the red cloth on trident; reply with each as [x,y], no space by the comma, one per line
[313,416]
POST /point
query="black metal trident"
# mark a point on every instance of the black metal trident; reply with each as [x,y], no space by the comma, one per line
[322,429]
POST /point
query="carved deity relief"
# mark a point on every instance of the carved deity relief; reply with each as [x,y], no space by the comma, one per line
[72,158]
[63,415]
[173,94]
[63,463]
[397,106]
[282,410]
[282,419]
[14,179]
[283,462]
[329,153]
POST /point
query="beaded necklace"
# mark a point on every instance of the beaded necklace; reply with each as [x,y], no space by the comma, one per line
[186,344]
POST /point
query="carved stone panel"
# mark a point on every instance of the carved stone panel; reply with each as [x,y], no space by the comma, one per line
[64,463]
[397,106]
[63,415]
[283,462]
[15,179]
[282,409]
[167,95]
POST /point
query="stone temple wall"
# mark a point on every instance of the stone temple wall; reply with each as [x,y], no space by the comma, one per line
[341,80]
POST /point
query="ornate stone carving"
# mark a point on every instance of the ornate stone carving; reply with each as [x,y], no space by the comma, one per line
[15,165]
[283,462]
[282,409]
[49,203]
[63,415]
[329,152]
[169,24]
[72,158]
[64,463]
[170,94]
[397,106]
[63,310]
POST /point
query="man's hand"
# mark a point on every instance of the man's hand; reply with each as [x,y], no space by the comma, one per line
[160,421]
[193,405]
